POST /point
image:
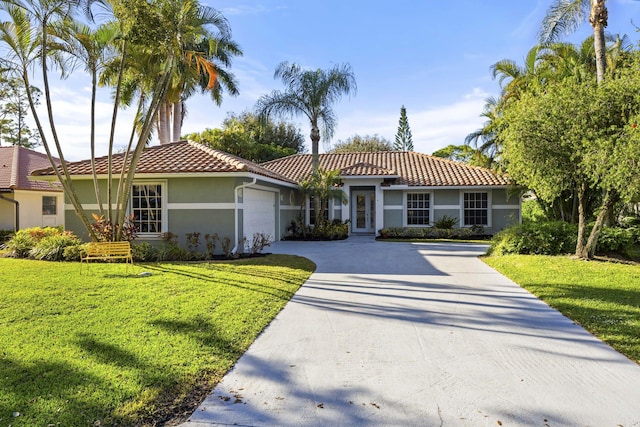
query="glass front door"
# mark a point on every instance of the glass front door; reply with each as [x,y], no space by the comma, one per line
[363,213]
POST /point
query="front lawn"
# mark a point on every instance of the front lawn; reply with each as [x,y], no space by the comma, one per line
[603,297]
[111,348]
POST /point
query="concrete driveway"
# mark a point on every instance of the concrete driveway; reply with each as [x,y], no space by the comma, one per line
[400,334]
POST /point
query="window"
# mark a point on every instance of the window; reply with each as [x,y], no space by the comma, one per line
[312,210]
[146,207]
[49,204]
[418,205]
[476,209]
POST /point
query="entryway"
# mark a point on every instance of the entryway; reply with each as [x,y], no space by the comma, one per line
[363,211]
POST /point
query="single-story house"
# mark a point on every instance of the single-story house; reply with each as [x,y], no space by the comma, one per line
[25,203]
[185,187]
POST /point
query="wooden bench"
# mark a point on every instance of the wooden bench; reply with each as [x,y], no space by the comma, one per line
[107,251]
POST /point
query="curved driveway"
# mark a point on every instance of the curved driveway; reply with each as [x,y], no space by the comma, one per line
[401,334]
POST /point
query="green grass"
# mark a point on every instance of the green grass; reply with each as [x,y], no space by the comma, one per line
[603,297]
[111,348]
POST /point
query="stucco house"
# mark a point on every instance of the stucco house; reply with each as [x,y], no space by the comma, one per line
[25,203]
[186,187]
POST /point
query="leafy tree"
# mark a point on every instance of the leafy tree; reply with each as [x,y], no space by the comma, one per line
[404,141]
[462,153]
[310,93]
[247,137]
[359,144]
[576,136]
[14,109]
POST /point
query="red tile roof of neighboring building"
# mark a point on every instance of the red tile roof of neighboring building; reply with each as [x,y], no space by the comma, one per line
[17,163]
[173,158]
[408,168]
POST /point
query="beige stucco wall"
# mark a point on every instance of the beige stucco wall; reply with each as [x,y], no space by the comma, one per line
[30,210]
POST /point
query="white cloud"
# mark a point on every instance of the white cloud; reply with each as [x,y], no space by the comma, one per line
[431,128]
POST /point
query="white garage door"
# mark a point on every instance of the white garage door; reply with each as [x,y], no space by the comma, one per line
[259,213]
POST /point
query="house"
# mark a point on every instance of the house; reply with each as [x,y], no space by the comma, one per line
[185,187]
[25,203]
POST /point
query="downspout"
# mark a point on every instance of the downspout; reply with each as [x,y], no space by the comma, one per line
[235,196]
[17,218]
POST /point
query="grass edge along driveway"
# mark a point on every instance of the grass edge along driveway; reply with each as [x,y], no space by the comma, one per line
[111,348]
[602,297]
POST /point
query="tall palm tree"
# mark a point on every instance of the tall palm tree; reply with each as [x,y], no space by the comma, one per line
[565,16]
[309,93]
[202,38]
[515,79]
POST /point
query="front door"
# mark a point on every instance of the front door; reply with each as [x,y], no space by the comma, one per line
[363,211]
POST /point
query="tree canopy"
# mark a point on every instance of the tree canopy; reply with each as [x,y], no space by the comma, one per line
[357,144]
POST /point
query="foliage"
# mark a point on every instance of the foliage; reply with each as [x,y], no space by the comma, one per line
[310,93]
[52,248]
[445,222]
[211,241]
[404,140]
[540,238]
[531,211]
[109,348]
[431,233]
[618,240]
[14,110]
[143,252]
[105,231]
[326,230]
[360,144]
[23,241]
[602,297]
[245,136]
[5,235]
[259,241]
[463,154]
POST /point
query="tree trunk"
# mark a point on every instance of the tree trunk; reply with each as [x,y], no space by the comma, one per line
[582,222]
[598,19]
[177,120]
[315,143]
[610,199]
[163,123]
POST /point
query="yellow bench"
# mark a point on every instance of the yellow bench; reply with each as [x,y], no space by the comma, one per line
[107,251]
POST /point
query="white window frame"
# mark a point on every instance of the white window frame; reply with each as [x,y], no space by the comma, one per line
[163,208]
[462,209]
[405,209]
[307,208]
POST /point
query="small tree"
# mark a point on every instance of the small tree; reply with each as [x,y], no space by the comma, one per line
[404,141]
[359,144]
[323,185]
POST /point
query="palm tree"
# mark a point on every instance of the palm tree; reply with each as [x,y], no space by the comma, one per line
[515,79]
[310,93]
[565,16]
[201,54]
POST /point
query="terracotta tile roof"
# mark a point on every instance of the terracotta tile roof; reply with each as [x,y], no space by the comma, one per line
[173,158]
[16,163]
[411,168]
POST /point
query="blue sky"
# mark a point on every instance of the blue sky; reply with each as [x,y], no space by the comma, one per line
[433,57]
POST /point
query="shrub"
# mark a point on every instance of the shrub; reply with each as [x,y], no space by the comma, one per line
[5,235]
[73,252]
[26,239]
[52,248]
[542,238]
[259,242]
[445,222]
[430,233]
[211,240]
[143,252]
[615,239]
[106,231]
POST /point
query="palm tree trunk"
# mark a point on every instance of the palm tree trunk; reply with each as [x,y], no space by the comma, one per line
[315,143]
[163,123]
[178,109]
[598,19]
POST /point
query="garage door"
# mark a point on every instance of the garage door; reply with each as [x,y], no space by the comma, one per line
[259,213]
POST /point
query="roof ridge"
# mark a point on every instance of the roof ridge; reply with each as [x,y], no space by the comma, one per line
[221,155]
[15,166]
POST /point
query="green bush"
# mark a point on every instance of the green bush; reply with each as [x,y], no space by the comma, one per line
[445,222]
[5,235]
[431,233]
[143,252]
[540,238]
[73,252]
[532,212]
[615,239]
[52,248]
[20,244]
